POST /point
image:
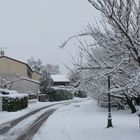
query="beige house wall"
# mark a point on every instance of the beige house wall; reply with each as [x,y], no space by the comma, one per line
[8,66]
[29,81]
[36,76]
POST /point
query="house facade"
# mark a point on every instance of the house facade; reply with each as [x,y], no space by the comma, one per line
[26,85]
[28,79]
[10,65]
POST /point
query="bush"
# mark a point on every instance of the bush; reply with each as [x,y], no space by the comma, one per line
[14,103]
[59,95]
[80,94]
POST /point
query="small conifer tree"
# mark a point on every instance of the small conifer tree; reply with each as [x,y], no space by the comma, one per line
[45,82]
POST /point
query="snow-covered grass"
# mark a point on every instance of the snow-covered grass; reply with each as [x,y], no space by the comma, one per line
[87,121]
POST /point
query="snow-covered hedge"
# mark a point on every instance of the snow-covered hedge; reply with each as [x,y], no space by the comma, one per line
[59,94]
[80,94]
[14,102]
[7,92]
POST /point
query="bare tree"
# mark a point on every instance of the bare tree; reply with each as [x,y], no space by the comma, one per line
[123,16]
[7,79]
[52,69]
[114,51]
[35,64]
[39,67]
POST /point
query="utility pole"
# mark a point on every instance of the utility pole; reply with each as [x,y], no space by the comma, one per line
[109,124]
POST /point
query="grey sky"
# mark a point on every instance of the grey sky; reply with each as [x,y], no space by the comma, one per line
[37,27]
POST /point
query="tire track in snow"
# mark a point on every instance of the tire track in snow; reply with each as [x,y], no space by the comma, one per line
[5,127]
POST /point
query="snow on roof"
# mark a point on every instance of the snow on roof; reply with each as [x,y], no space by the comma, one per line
[68,88]
[31,80]
[17,61]
[27,79]
[60,78]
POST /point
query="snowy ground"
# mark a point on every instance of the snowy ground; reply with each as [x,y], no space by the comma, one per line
[25,124]
[80,121]
[7,116]
[87,121]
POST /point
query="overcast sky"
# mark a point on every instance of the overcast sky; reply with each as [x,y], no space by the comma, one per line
[35,28]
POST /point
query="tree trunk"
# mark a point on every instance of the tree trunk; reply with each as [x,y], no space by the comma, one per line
[137,100]
[131,105]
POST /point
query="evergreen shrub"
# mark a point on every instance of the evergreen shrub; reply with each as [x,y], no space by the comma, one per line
[14,103]
[59,95]
[80,94]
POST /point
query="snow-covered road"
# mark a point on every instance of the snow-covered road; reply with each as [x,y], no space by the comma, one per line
[25,126]
[87,121]
[69,120]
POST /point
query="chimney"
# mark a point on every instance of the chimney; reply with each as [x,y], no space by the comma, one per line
[1,53]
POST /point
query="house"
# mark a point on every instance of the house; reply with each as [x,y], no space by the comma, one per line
[60,80]
[36,75]
[28,80]
[10,65]
[26,85]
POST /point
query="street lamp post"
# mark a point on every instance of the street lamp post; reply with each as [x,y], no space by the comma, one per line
[109,124]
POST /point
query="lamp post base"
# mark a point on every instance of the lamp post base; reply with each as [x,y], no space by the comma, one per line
[109,124]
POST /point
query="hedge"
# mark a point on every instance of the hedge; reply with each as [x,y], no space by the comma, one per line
[59,95]
[14,103]
[80,94]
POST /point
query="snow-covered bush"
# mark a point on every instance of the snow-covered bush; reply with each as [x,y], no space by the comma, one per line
[7,79]
[80,93]
[14,102]
[45,82]
[60,94]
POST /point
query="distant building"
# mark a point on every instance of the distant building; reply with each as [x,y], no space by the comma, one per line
[60,80]
[26,85]
[28,79]
[10,65]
